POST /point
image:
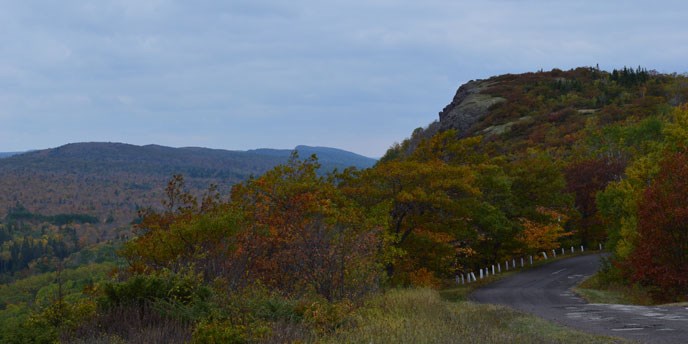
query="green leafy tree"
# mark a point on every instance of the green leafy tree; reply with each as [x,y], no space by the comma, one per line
[423,201]
[538,182]
[187,233]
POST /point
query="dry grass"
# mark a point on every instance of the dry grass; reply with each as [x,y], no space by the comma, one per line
[422,316]
[597,290]
[131,325]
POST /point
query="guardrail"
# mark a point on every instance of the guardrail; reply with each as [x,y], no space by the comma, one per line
[496,268]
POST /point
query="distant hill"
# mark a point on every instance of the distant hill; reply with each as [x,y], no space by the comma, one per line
[112,180]
[8,154]
[330,158]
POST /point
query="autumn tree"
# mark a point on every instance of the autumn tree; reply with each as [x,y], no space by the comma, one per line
[186,233]
[661,252]
[618,203]
[303,235]
[537,181]
[584,179]
[423,209]
[545,234]
[492,209]
[450,207]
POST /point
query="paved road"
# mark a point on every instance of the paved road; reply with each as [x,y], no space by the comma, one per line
[546,292]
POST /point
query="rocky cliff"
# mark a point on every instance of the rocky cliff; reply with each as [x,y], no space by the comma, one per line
[468,106]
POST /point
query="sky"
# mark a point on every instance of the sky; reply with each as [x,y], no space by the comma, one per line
[242,74]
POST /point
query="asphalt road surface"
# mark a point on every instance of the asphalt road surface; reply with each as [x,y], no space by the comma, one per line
[545,291]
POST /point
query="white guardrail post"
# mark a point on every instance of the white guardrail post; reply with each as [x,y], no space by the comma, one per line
[484,273]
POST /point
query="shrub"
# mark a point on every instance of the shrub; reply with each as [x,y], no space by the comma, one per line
[183,288]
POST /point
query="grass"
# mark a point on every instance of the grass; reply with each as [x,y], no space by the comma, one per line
[445,316]
[423,316]
[593,291]
[598,289]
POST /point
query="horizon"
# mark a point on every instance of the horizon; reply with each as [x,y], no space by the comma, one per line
[358,76]
[183,147]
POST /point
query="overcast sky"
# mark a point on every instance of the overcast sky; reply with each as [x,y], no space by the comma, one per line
[239,74]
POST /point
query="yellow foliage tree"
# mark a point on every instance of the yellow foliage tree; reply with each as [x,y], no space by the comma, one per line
[543,235]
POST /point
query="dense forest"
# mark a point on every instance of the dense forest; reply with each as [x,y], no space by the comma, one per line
[579,157]
[111,181]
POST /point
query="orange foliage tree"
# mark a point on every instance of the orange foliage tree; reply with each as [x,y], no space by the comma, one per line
[290,230]
[303,235]
[543,234]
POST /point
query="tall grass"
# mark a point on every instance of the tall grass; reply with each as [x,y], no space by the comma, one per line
[422,316]
[129,324]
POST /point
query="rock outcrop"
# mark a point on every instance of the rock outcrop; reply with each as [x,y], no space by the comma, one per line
[468,106]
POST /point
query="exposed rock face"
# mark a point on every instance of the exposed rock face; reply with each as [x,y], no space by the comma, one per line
[468,106]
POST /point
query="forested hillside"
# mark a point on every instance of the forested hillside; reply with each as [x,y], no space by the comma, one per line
[57,203]
[600,152]
[516,164]
[111,181]
[7,154]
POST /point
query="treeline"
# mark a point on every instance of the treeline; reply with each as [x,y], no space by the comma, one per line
[645,213]
[20,214]
[629,76]
[447,208]
[32,243]
[26,250]
[22,253]
[293,247]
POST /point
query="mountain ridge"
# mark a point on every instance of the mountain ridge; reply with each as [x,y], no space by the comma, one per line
[168,158]
[8,154]
[115,180]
